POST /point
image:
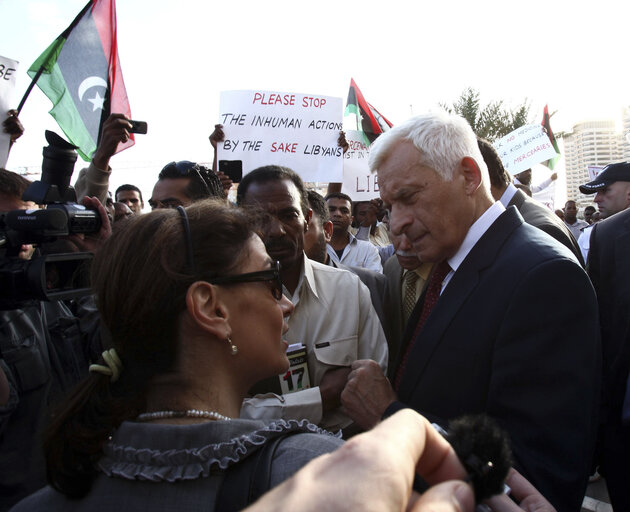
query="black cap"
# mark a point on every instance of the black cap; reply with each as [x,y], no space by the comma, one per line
[609,174]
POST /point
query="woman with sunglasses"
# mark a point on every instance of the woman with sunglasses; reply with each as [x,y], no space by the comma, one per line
[195,310]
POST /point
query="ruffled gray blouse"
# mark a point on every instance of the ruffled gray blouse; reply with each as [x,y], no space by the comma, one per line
[178,467]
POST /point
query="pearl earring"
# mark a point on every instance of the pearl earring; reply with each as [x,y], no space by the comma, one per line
[233,347]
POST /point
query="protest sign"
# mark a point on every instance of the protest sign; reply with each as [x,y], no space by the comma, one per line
[593,171]
[358,182]
[524,147]
[299,131]
[547,196]
[8,68]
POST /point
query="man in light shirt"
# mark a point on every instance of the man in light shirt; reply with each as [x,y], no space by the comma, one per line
[344,247]
[333,316]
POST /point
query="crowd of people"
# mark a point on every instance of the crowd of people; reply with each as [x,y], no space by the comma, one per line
[172,386]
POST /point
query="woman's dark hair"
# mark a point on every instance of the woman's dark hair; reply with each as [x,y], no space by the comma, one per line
[140,278]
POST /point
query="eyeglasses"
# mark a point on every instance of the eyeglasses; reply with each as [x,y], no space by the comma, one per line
[271,275]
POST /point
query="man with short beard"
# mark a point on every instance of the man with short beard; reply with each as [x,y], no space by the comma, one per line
[333,315]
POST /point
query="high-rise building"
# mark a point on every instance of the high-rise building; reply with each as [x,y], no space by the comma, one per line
[592,143]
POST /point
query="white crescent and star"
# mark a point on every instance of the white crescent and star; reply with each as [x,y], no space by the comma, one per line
[93,81]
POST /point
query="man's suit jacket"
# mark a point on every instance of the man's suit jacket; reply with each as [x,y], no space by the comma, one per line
[543,218]
[375,282]
[609,269]
[515,335]
[394,326]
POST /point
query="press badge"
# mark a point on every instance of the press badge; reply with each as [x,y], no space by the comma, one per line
[296,378]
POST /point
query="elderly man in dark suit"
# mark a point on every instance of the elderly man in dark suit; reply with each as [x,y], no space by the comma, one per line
[532,211]
[493,332]
[610,272]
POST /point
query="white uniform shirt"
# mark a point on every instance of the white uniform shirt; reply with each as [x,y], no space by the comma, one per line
[584,242]
[358,253]
[335,320]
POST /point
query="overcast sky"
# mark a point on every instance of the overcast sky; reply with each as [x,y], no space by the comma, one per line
[406,57]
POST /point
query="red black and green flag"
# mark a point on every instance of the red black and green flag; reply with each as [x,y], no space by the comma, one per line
[80,73]
[551,163]
[372,122]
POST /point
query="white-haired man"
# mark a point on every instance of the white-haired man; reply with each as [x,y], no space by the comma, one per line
[493,333]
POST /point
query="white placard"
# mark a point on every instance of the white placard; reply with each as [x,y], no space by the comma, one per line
[358,182]
[8,68]
[594,171]
[299,131]
[524,147]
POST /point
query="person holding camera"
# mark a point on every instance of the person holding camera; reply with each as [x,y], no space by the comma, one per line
[94,179]
[45,349]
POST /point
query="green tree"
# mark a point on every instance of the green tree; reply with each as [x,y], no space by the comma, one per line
[492,121]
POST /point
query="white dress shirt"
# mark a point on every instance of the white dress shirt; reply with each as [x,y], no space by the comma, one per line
[335,320]
[358,253]
[475,232]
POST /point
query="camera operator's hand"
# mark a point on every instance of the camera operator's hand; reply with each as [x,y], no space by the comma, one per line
[13,126]
[115,131]
[92,242]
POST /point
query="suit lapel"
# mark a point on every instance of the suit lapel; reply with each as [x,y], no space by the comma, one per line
[461,285]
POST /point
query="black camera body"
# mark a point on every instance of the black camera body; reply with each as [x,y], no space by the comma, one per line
[57,275]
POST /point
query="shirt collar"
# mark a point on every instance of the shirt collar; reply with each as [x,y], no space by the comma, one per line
[475,232]
[307,278]
[423,270]
[508,195]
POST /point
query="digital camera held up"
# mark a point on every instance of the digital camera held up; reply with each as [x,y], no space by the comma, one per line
[55,276]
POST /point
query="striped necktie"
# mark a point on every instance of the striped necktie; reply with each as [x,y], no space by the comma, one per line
[430,299]
[409,294]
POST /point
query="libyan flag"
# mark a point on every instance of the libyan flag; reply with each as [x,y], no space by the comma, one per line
[80,73]
[551,163]
[372,122]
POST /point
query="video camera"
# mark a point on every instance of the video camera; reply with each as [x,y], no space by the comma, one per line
[56,276]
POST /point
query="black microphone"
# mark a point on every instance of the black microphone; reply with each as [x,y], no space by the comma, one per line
[484,450]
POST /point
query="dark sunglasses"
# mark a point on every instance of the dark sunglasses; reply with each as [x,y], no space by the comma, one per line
[271,275]
[183,167]
[187,168]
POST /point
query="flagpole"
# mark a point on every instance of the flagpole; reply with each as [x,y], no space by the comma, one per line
[65,35]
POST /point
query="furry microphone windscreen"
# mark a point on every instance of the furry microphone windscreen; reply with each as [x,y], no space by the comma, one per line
[484,450]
